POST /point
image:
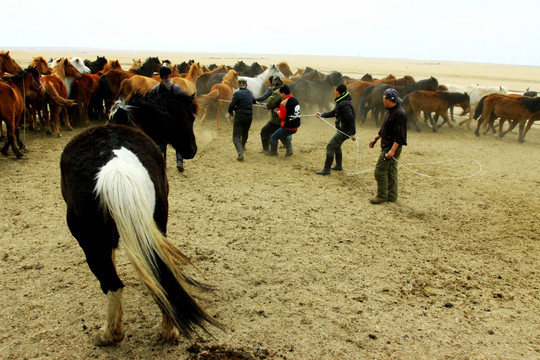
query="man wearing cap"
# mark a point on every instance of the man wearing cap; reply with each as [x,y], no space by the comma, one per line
[242,105]
[393,135]
[274,123]
[345,126]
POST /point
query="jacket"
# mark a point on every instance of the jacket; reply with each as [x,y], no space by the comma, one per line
[394,128]
[273,103]
[289,113]
[344,114]
[242,102]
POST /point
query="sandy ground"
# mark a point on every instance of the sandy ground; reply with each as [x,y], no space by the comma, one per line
[305,267]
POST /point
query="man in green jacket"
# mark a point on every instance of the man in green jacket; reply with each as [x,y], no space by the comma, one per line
[275,122]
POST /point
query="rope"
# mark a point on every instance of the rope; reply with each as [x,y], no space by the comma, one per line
[407,165]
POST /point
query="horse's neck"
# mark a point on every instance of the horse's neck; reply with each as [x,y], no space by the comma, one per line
[193,73]
[59,71]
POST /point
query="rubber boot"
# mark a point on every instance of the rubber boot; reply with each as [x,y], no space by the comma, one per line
[327,164]
[288,145]
[339,161]
[239,148]
[273,151]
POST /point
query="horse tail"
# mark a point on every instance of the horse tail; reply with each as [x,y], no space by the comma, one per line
[55,97]
[479,108]
[209,99]
[126,191]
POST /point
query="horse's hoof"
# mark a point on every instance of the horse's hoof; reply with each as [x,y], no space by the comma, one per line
[102,340]
[171,336]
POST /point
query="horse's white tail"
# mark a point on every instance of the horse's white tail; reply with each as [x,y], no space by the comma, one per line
[126,191]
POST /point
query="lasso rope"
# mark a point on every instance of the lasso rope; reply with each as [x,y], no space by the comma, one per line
[405,165]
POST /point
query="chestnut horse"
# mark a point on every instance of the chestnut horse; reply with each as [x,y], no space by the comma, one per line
[35,98]
[57,95]
[114,182]
[7,64]
[137,84]
[13,90]
[202,80]
[219,95]
[189,82]
[516,109]
[285,69]
[433,101]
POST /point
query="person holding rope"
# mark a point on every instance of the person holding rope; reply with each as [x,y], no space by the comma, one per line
[165,86]
[346,128]
[242,105]
[393,135]
[274,123]
[289,114]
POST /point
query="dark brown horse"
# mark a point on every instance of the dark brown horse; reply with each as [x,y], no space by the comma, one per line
[12,93]
[114,182]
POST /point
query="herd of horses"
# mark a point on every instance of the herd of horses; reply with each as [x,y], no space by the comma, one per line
[75,90]
[113,176]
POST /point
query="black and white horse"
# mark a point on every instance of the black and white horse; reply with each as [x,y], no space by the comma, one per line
[115,186]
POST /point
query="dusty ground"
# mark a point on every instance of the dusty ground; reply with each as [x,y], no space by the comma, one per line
[305,267]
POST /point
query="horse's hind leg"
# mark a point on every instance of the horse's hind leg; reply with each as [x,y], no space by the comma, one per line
[97,241]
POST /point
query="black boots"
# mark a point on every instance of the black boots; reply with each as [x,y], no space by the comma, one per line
[339,161]
[327,164]
[272,152]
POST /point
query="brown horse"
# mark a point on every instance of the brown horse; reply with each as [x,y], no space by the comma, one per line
[13,90]
[189,82]
[110,65]
[285,69]
[7,64]
[137,84]
[433,101]
[35,97]
[516,109]
[57,95]
[109,83]
[219,95]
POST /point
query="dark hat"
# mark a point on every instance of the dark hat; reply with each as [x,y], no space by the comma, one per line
[285,90]
[392,94]
[276,81]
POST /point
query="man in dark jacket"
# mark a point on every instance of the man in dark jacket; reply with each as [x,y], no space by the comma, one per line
[242,105]
[165,86]
[346,128]
[393,135]
[289,114]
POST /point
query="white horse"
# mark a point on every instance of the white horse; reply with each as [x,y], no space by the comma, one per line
[476,93]
[79,65]
[256,84]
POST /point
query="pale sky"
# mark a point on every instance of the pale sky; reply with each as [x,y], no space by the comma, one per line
[496,31]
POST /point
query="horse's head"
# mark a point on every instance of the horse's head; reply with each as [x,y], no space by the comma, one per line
[69,68]
[41,65]
[231,78]
[79,64]
[7,64]
[285,69]
[465,104]
[137,63]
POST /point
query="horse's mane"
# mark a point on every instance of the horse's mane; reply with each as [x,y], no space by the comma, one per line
[147,68]
[531,103]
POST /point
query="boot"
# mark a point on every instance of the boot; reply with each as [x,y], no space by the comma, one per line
[339,161]
[327,164]
[272,152]
[239,148]
[288,145]
[265,144]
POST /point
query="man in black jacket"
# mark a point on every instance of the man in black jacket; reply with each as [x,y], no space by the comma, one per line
[242,105]
[346,128]
[393,135]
